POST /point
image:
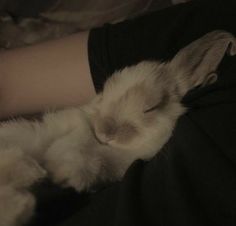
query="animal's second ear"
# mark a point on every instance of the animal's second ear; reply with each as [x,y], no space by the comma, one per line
[195,63]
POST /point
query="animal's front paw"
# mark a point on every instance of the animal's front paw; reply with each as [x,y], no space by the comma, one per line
[15,207]
[71,166]
[18,170]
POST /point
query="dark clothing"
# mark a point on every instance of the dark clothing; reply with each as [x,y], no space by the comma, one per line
[192,182]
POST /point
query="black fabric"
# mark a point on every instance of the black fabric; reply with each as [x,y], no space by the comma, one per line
[192,182]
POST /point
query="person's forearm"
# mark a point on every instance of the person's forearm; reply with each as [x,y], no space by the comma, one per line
[54,74]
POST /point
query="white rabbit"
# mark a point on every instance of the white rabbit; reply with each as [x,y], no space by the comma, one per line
[131,119]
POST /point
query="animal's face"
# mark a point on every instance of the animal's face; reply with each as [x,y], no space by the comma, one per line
[134,112]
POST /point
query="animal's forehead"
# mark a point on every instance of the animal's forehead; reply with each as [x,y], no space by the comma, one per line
[132,76]
[134,97]
[129,88]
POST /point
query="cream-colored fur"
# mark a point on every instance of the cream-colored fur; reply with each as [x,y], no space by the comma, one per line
[131,119]
[16,207]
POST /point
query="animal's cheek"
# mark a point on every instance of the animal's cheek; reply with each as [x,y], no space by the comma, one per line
[126,137]
[149,118]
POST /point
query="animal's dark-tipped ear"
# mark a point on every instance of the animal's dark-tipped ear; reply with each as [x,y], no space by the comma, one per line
[198,62]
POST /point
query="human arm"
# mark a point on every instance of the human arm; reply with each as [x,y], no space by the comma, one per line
[50,75]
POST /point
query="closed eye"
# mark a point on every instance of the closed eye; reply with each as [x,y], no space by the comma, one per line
[151,109]
[162,104]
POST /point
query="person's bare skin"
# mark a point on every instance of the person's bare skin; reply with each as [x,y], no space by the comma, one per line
[46,76]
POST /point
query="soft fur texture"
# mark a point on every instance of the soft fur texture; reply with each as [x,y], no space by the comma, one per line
[131,119]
